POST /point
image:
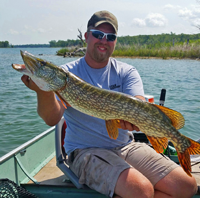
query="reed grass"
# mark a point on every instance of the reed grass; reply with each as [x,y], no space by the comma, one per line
[179,50]
[160,50]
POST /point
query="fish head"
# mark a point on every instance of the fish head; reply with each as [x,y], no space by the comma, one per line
[46,75]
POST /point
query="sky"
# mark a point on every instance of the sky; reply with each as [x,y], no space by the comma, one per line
[40,21]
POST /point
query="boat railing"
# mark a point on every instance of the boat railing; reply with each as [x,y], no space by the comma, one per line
[22,163]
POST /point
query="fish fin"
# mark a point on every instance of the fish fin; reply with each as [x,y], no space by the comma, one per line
[184,160]
[159,144]
[118,124]
[112,128]
[184,157]
[62,100]
[194,147]
[176,118]
[63,104]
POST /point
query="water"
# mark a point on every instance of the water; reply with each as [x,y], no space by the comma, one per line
[19,121]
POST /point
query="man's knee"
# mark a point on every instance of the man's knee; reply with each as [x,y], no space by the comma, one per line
[177,184]
[186,186]
[146,189]
[132,183]
[190,187]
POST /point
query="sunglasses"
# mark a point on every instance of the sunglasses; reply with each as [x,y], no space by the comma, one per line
[100,35]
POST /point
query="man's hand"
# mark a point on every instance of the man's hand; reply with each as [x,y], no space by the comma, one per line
[30,84]
[128,126]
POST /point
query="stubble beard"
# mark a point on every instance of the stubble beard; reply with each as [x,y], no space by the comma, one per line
[101,57]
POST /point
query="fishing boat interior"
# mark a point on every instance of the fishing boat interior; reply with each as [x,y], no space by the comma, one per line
[39,167]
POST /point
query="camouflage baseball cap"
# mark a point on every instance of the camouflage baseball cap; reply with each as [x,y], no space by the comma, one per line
[103,17]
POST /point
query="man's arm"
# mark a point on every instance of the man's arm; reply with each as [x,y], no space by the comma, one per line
[49,108]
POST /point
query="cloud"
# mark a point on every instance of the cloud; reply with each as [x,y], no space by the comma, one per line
[171,7]
[195,9]
[156,20]
[14,32]
[152,20]
[196,22]
[191,15]
[121,24]
[41,30]
[186,13]
[138,22]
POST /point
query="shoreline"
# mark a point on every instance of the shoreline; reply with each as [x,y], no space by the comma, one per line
[144,57]
[154,57]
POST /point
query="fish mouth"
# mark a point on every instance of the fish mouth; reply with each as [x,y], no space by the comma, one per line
[22,69]
[19,67]
[31,62]
[30,65]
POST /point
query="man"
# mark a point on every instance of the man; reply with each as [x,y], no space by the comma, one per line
[116,168]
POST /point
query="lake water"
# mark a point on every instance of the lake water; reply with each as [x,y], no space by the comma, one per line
[19,121]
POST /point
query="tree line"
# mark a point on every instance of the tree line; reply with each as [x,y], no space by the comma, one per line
[150,40]
[157,40]
[4,44]
[67,43]
[31,45]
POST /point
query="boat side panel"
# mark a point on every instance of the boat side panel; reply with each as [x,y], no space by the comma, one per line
[33,158]
[46,191]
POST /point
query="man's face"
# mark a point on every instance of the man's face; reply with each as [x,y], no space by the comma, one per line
[100,50]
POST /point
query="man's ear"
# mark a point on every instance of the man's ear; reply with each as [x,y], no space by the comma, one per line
[86,35]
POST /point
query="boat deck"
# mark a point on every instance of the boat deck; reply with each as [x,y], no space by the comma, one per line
[52,175]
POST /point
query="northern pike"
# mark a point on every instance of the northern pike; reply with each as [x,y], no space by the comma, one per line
[159,123]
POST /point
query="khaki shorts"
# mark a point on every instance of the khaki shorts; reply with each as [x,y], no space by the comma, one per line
[100,168]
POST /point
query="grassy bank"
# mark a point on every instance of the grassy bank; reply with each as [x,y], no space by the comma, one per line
[180,50]
[164,50]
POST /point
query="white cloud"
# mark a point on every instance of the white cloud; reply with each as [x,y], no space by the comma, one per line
[14,32]
[196,22]
[196,9]
[121,24]
[70,29]
[186,13]
[41,30]
[169,6]
[138,22]
[152,20]
[156,20]
[191,15]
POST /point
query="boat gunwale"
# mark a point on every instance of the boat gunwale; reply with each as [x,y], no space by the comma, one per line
[25,145]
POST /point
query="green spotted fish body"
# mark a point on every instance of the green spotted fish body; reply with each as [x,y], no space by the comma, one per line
[159,123]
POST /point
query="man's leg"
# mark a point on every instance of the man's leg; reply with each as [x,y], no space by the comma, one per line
[98,168]
[176,184]
[131,183]
[168,179]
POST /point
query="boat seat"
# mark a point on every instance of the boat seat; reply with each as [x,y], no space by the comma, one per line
[61,157]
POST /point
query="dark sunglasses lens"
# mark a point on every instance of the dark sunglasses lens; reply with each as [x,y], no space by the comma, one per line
[97,34]
[111,37]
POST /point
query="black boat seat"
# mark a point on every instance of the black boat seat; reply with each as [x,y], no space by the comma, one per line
[61,157]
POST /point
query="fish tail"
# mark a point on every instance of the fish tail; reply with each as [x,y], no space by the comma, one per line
[184,160]
[194,147]
[184,157]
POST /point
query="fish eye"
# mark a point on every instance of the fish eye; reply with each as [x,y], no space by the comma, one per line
[43,63]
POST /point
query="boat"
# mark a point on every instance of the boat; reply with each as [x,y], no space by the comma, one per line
[38,168]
